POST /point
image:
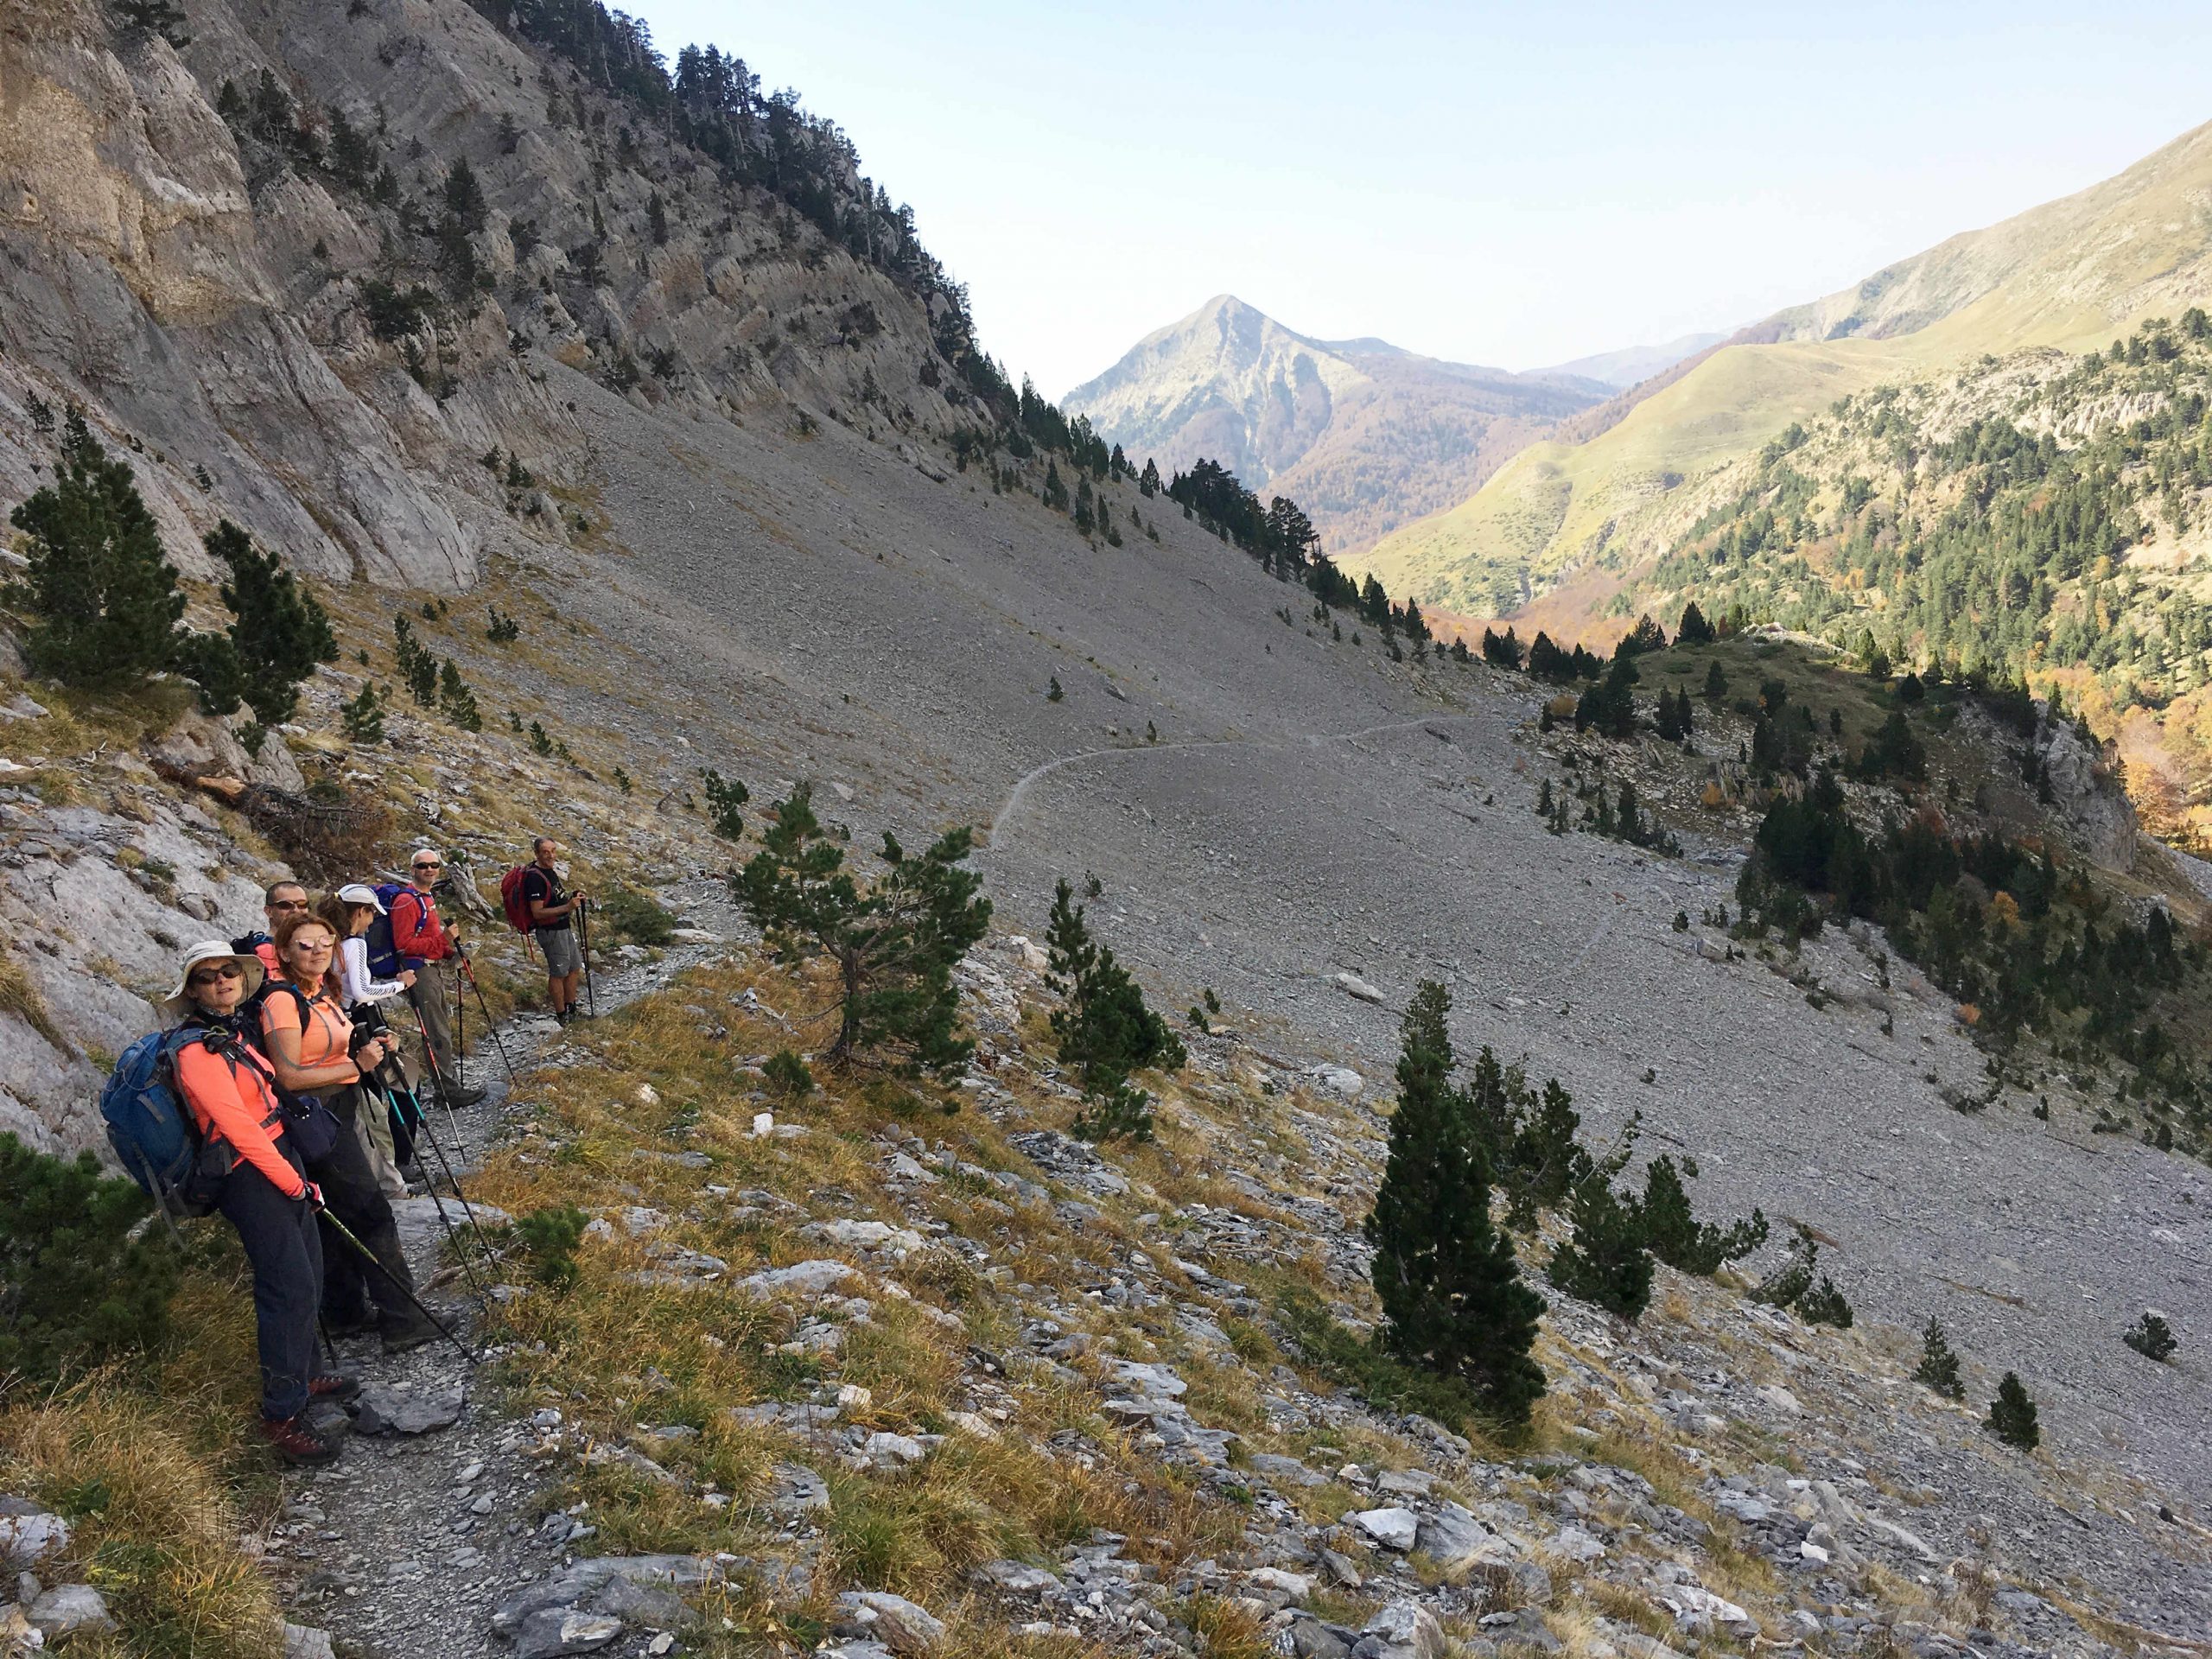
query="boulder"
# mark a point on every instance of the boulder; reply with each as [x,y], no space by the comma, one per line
[28,1535]
[70,1610]
[1353,986]
[580,1582]
[803,1279]
[897,1623]
[383,1409]
[1017,1578]
[1404,1630]
[305,1642]
[1393,1527]
[1454,1539]
[553,1632]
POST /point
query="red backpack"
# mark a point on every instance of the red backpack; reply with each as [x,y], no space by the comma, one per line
[513,900]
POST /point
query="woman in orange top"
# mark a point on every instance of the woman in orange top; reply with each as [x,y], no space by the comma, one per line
[310,1042]
[263,1192]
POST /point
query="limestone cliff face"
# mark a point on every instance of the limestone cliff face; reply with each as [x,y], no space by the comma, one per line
[200,284]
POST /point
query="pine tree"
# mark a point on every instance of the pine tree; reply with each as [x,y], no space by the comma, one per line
[279,631]
[106,600]
[893,943]
[465,196]
[457,700]
[1452,1297]
[1716,683]
[1675,1235]
[1939,1367]
[1083,521]
[1056,491]
[363,717]
[79,1283]
[1053,693]
[656,219]
[1606,1261]
[1692,629]
[2152,1337]
[2013,1415]
[1683,718]
[1825,1304]
[1106,1031]
[725,798]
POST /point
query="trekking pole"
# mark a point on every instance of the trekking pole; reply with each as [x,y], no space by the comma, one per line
[461,1255]
[399,1284]
[468,972]
[430,1054]
[437,1149]
[584,944]
[459,1032]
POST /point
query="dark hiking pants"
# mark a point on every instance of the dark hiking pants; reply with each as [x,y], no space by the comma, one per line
[286,1256]
[350,1285]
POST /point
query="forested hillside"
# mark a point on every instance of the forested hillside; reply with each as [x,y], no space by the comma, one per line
[2041,517]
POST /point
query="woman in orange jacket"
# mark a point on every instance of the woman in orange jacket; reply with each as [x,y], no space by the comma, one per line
[310,1043]
[263,1191]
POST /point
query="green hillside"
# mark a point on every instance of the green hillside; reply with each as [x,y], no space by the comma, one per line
[2042,516]
[2070,274]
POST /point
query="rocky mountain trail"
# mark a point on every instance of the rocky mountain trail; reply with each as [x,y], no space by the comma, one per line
[424,1537]
[1719,1456]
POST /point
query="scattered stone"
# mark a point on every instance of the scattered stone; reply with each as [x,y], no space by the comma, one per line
[804,1279]
[69,1610]
[1395,1527]
[1353,986]
[799,1490]
[28,1535]
[559,1630]
[897,1623]
[306,1641]
[1404,1630]
[386,1408]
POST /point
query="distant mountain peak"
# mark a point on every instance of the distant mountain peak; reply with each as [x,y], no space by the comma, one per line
[1364,434]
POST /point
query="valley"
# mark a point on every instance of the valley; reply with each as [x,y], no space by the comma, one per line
[780,1356]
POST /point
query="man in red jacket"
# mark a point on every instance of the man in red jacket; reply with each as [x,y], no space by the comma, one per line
[423,945]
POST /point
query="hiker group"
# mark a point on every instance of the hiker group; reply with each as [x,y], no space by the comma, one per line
[281,1095]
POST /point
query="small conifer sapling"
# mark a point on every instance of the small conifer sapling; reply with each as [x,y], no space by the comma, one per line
[1939,1367]
[2013,1415]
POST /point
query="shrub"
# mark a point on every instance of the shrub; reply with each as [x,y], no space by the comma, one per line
[1939,1367]
[1675,1235]
[1825,1305]
[550,1234]
[2152,1338]
[2013,1415]
[363,717]
[634,917]
[787,1074]
[725,796]
[1606,1260]
[1106,1030]
[329,835]
[76,1287]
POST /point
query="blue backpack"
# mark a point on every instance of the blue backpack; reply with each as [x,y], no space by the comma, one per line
[149,1124]
[384,957]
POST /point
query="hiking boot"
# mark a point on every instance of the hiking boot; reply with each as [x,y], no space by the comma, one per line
[297,1443]
[341,1389]
[354,1324]
[407,1338]
[458,1096]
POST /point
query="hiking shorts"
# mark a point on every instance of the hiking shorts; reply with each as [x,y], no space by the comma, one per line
[561,957]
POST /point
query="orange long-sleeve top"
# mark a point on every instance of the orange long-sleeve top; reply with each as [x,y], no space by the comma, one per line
[234,1101]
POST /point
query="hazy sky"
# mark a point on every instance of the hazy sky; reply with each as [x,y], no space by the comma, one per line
[1506,184]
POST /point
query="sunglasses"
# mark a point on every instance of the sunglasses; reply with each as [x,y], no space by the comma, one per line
[429,867]
[209,976]
[288,904]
